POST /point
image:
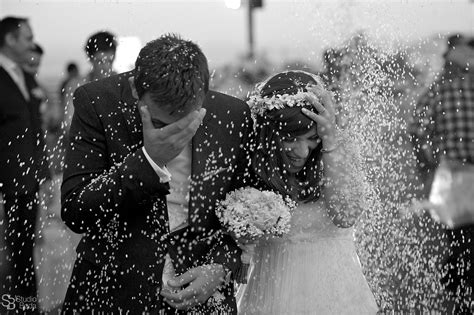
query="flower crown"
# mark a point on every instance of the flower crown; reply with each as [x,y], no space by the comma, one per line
[259,104]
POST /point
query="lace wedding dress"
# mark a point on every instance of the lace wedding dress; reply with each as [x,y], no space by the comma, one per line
[313,270]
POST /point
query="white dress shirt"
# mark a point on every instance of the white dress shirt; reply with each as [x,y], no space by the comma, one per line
[178,173]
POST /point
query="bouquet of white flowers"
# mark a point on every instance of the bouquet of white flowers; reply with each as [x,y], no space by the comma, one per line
[249,214]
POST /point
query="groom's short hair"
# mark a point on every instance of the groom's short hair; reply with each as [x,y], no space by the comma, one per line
[173,70]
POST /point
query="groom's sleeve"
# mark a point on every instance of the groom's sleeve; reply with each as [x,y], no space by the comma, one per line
[95,191]
[227,253]
[163,173]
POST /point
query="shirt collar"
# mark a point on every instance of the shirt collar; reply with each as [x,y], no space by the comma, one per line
[7,63]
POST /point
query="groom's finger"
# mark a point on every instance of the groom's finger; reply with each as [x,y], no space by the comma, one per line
[320,120]
[187,124]
[173,297]
[185,135]
[146,117]
[177,283]
[184,279]
[182,299]
[189,295]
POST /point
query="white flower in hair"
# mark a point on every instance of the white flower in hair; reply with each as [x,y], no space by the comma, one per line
[259,104]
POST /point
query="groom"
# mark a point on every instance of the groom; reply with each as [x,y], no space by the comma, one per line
[151,152]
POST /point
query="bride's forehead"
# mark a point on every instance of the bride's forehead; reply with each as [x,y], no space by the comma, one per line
[293,119]
[305,132]
[310,133]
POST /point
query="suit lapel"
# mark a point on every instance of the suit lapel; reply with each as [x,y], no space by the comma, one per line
[200,147]
[30,85]
[32,105]
[13,85]
[200,198]
[129,108]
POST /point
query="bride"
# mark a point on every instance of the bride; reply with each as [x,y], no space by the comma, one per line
[299,153]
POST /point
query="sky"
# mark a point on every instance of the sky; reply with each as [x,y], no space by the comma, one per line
[283,30]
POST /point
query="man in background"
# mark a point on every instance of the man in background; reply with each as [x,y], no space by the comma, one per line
[444,129]
[100,49]
[72,74]
[31,66]
[22,160]
[424,125]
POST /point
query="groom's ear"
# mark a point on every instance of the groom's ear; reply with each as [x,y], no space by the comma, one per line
[131,81]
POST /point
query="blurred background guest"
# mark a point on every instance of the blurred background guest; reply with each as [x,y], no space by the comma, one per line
[72,73]
[48,110]
[23,156]
[100,49]
[444,130]
[425,122]
[55,253]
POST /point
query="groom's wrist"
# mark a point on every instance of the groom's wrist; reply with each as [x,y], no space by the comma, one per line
[161,171]
[228,275]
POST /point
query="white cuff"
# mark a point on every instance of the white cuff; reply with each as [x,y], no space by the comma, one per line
[163,173]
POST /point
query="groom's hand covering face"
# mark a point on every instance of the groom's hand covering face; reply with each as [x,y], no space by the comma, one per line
[164,114]
[174,131]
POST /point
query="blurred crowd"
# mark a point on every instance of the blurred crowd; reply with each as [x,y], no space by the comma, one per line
[413,92]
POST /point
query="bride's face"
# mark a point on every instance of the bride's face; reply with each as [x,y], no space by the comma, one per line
[297,149]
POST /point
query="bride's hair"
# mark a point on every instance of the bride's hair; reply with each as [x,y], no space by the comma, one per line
[268,161]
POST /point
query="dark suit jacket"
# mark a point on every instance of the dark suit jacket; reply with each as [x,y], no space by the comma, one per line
[111,193]
[22,150]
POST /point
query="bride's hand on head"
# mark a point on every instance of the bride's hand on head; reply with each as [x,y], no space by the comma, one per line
[323,101]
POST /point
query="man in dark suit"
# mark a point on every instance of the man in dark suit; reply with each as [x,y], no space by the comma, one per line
[151,152]
[22,154]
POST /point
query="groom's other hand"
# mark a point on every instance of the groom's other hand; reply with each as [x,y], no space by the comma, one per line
[203,282]
[164,144]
